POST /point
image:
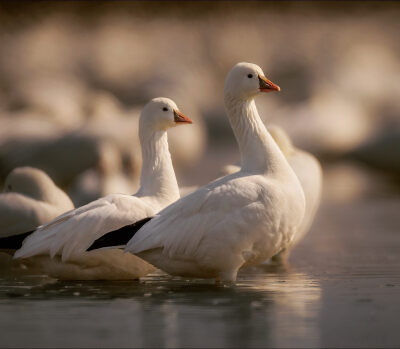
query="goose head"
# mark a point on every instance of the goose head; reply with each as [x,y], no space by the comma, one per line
[246,80]
[161,114]
[29,181]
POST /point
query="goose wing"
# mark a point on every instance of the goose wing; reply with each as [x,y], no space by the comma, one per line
[219,211]
[73,232]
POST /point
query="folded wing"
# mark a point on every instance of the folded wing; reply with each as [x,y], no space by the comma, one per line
[72,233]
[212,217]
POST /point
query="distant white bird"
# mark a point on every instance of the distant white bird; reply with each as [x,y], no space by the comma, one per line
[69,235]
[308,170]
[240,219]
[30,199]
[108,177]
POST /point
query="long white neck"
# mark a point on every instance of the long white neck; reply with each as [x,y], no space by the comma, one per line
[259,152]
[157,179]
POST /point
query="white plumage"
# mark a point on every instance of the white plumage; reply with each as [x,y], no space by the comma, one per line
[242,218]
[307,169]
[30,199]
[309,172]
[69,235]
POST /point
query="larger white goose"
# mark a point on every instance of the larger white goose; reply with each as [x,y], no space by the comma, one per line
[242,218]
[69,235]
[308,170]
[30,199]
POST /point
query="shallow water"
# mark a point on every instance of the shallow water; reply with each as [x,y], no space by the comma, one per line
[342,289]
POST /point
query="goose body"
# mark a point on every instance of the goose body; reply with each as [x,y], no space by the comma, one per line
[68,236]
[307,169]
[30,199]
[240,219]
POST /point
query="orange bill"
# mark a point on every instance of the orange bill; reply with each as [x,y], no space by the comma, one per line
[181,118]
[267,85]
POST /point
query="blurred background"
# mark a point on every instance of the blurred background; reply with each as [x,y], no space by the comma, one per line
[74,76]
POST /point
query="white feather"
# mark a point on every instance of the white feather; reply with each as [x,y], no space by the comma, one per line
[70,234]
[307,169]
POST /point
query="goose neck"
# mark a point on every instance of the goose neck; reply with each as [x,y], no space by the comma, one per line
[157,178]
[259,152]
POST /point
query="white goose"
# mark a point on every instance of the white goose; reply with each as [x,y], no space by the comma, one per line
[30,199]
[69,235]
[242,218]
[107,177]
[308,170]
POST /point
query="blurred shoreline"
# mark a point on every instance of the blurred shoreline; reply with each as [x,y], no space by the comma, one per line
[79,71]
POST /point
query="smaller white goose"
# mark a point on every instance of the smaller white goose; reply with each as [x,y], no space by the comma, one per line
[308,170]
[68,236]
[30,199]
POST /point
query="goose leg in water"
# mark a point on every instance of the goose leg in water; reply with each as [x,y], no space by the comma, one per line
[227,277]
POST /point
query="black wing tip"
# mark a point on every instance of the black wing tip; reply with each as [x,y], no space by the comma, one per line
[14,242]
[119,237]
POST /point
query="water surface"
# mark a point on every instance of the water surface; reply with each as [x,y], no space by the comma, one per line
[341,289]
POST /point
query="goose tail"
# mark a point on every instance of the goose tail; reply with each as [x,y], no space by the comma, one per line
[118,238]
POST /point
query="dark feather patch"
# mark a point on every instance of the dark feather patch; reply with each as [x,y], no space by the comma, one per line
[119,237]
[14,242]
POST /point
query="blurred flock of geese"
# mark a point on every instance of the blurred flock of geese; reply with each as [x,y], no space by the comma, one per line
[84,140]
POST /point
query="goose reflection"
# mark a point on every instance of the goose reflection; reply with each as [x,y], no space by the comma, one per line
[294,309]
[267,307]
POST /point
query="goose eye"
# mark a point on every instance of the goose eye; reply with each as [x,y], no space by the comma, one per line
[250,76]
[165,109]
[9,187]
